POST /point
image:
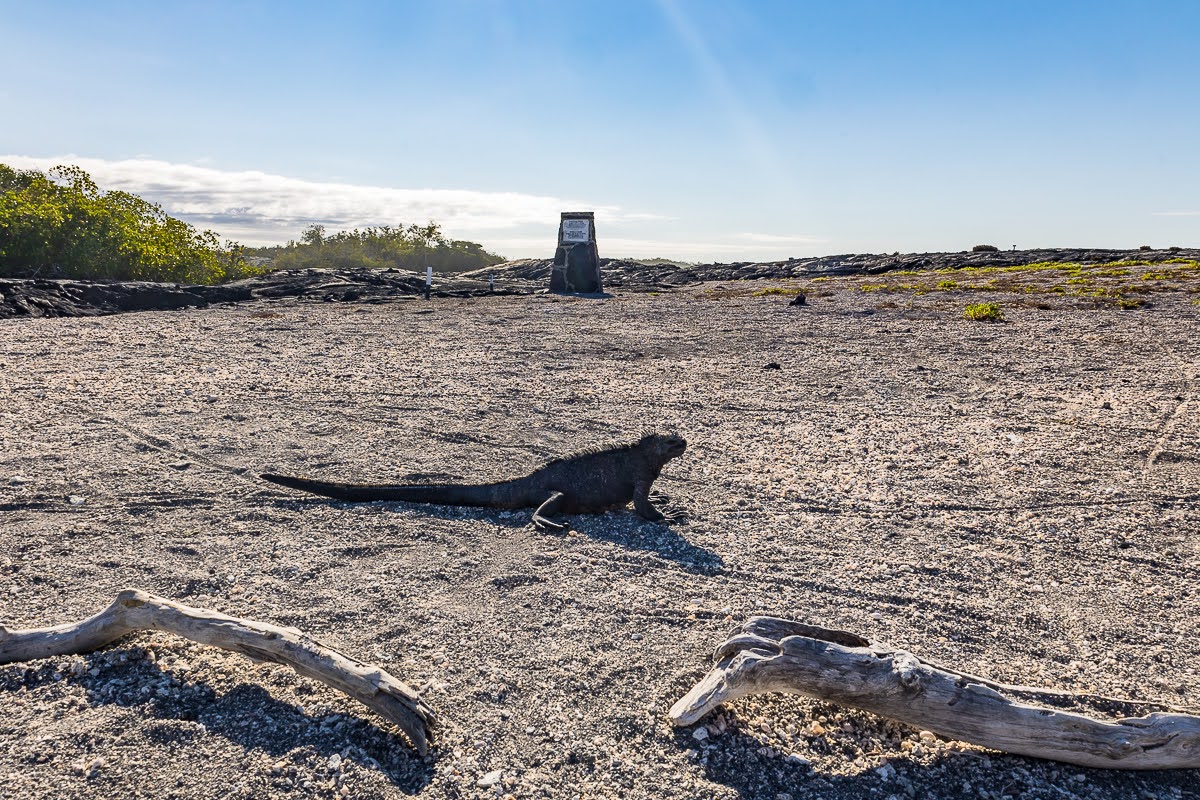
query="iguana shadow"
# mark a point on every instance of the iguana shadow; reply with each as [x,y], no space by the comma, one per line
[622,528]
[660,538]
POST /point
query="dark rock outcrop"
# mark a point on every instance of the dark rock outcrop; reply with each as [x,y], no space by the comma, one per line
[657,275]
[40,297]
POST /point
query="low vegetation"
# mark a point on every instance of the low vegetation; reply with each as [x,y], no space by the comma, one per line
[1118,284]
[1124,285]
[775,290]
[984,312]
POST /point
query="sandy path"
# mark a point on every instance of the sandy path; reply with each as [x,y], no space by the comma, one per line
[1019,500]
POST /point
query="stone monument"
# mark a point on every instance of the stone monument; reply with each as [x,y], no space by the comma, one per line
[576,261]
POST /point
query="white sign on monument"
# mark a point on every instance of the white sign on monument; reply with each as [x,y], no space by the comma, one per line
[575,230]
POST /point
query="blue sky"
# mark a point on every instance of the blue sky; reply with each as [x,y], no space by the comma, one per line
[697,130]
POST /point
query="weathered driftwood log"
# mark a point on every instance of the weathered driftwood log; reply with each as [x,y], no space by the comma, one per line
[134,610]
[773,655]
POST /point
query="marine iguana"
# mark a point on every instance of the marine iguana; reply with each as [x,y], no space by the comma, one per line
[589,482]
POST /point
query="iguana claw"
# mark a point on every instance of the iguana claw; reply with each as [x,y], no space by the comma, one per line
[546,526]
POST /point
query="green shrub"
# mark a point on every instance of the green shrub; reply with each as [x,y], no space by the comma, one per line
[985,248]
[60,224]
[984,312]
[385,247]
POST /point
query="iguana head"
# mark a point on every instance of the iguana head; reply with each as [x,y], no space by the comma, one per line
[665,446]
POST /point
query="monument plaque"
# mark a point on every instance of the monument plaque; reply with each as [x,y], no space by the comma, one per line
[576,230]
[576,260]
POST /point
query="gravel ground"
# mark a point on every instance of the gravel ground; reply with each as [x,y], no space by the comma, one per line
[1017,500]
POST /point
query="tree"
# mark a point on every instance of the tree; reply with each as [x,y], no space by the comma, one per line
[410,246]
[313,235]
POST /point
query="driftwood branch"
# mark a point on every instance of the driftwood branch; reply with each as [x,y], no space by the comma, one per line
[774,655]
[134,610]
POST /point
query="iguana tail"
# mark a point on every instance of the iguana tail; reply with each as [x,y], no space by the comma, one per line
[449,494]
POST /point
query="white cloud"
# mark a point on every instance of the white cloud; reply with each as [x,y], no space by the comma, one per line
[258,207]
[1177,213]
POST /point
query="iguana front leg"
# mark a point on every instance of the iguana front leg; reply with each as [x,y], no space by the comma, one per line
[670,512]
[550,505]
[641,502]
